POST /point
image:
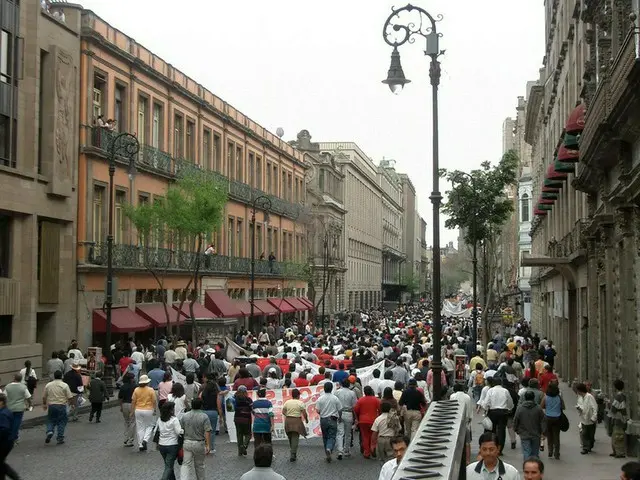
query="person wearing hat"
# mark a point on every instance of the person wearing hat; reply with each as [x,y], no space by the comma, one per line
[143,408]
[73,378]
[57,396]
[272,365]
[181,350]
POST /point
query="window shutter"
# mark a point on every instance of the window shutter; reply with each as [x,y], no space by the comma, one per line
[49,262]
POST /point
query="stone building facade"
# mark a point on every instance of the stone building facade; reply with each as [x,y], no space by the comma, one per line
[585,241]
[363,225]
[39,78]
[325,241]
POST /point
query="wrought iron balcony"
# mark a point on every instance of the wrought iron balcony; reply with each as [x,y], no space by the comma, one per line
[136,257]
[571,243]
[157,161]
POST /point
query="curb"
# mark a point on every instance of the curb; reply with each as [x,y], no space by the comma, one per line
[42,419]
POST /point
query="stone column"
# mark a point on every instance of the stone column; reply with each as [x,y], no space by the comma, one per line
[593,355]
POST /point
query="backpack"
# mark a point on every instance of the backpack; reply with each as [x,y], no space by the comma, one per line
[393,421]
[479,380]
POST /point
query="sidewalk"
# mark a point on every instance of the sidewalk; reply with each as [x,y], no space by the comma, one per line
[38,416]
[597,465]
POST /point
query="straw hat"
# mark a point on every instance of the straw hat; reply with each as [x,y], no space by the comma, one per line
[76,366]
[144,380]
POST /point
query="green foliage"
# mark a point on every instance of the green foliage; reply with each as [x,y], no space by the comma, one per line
[455,271]
[411,281]
[481,197]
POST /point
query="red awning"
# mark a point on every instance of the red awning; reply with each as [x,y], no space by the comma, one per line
[123,320]
[553,175]
[245,308]
[567,155]
[550,190]
[282,305]
[546,201]
[199,312]
[265,307]
[219,303]
[538,212]
[575,123]
[298,304]
[307,302]
[154,314]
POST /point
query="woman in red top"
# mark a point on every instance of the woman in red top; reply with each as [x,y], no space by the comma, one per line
[547,377]
[366,411]
[301,380]
[245,378]
[531,372]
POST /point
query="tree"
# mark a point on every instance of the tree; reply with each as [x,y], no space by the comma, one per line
[191,211]
[453,274]
[479,206]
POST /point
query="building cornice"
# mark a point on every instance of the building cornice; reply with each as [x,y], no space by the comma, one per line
[534,102]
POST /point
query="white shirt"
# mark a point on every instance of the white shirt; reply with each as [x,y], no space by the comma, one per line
[138,357]
[588,411]
[497,397]
[388,470]
[510,472]
[77,354]
[466,400]
[384,384]
[374,383]
[169,431]
[32,373]
[180,404]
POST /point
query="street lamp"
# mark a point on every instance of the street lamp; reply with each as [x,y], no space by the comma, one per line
[328,236]
[126,146]
[398,30]
[261,202]
[474,261]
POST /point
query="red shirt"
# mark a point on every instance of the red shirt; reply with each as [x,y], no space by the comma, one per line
[299,382]
[315,379]
[250,383]
[545,379]
[124,362]
[367,409]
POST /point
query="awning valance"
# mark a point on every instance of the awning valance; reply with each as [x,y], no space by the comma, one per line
[550,189]
[571,141]
[563,167]
[245,308]
[553,174]
[281,304]
[199,312]
[265,307]
[308,302]
[543,206]
[549,196]
[297,303]
[538,212]
[155,314]
[219,303]
[568,155]
[123,320]
[575,123]
[545,201]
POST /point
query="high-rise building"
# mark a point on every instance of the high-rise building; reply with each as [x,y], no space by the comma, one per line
[39,78]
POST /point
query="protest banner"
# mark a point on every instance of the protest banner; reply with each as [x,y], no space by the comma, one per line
[365,374]
[234,350]
[308,395]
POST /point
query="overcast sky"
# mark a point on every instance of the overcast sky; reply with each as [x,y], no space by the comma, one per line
[317,65]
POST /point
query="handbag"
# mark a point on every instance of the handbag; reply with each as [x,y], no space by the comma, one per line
[487,424]
[564,422]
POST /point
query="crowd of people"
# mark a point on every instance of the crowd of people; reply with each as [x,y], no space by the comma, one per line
[177,395]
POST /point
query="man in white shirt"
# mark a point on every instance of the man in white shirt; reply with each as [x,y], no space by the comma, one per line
[491,466]
[461,395]
[387,382]
[181,350]
[348,400]
[137,357]
[399,445]
[330,410]
[588,413]
[374,383]
[498,403]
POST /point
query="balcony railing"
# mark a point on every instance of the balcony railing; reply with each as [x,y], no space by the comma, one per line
[571,243]
[159,259]
[157,161]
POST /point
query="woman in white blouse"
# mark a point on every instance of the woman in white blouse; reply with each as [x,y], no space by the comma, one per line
[169,431]
[179,399]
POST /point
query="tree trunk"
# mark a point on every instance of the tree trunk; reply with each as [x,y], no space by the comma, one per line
[194,298]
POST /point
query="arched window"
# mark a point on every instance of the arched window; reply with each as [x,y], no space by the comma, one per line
[524,213]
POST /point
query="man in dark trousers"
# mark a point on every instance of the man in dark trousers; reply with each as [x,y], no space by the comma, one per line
[6,439]
[73,378]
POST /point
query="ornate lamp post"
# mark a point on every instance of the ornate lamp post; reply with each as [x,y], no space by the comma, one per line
[263,203]
[474,261]
[403,26]
[126,146]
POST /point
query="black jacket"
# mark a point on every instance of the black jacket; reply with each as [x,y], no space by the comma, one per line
[529,420]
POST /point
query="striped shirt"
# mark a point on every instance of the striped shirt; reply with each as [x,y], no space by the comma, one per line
[262,415]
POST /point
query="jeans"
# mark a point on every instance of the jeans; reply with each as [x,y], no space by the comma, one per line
[499,418]
[169,454]
[343,436]
[329,429]
[213,418]
[588,436]
[193,463]
[15,427]
[476,391]
[243,432]
[530,447]
[57,417]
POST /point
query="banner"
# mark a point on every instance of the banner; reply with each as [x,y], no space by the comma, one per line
[365,374]
[450,309]
[234,350]
[177,377]
[308,395]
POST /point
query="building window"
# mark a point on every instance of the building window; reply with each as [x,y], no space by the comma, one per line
[98,213]
[6,329]
[178,134]
[251,168]
[120,109]
[239,161]
[44,108]
[217,153]
[258,173]
[6,56]
[289,187]
[240,237]
[268,186]
[231,164]
[142,120]
[99,84]
[191,141]
[231,240]
[5,246]
[321,180]
[119,218]
[206,149]
[524,216]
[156,127]
[274,178]
[143,199]
[8,140]
[283,188]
